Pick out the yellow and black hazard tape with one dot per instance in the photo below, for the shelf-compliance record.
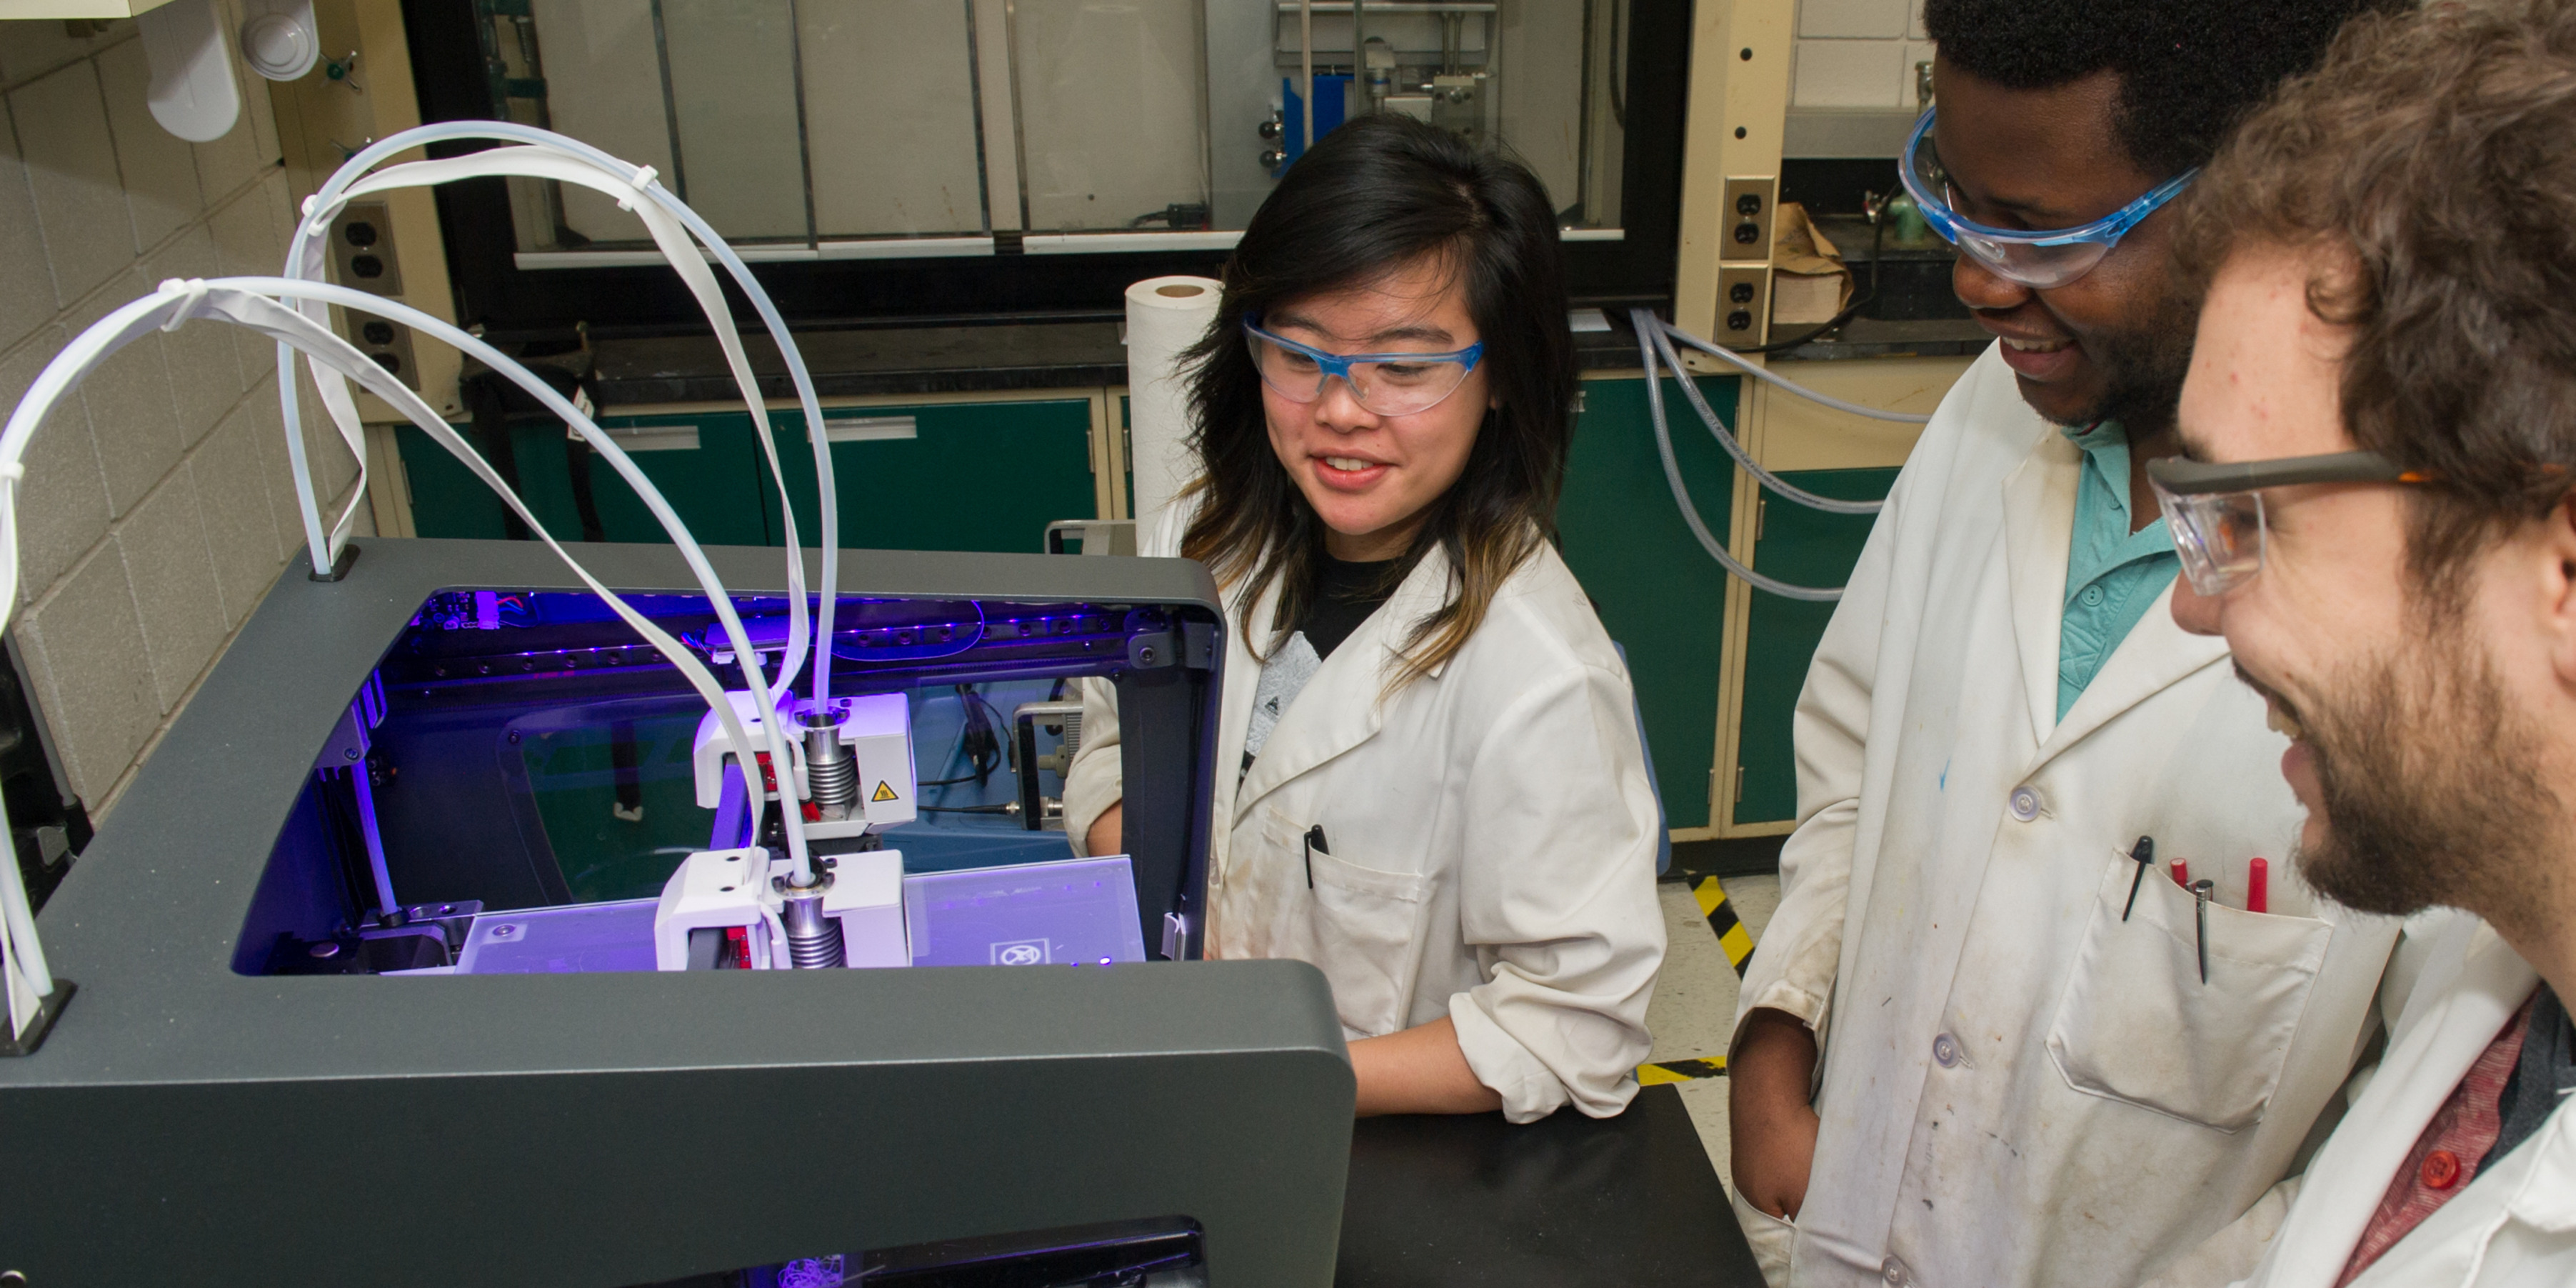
(1731, 934)
(1663, 1071)
(1738, 943)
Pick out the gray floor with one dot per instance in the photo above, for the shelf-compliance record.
(1694, 1007)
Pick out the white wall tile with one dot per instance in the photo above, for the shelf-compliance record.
(133, 415)
(26, 285)
(71, 168)
(268, 431)
(1847, 73)
(1851, 19)
(30, 48)
(241, 531)
(62, 503)
(83, 643)
(205, 368)
(246, 244)
(1914, 25)
(160, 177)
(164, 543)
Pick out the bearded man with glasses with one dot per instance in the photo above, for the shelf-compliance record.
(1997, 1033)
(2378, 514)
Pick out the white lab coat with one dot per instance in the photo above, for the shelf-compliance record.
(1491, 827)
(2514, 1224)
(2018, 1086)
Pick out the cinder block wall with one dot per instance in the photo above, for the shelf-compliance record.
(156, 508)
(1859, 53)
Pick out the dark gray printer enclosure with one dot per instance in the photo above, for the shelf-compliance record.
(185, 1122)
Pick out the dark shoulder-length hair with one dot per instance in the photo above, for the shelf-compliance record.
(1372, 197)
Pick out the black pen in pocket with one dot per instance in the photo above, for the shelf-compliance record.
(1315, 842)
(2200, 892)
(2144, 855)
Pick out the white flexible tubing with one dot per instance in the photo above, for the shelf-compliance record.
(1690, 512)
(553, 156)
(535, 162)
(1764, 374)
(22, 954)
(245, 300)
(165, 310)
(666, 233)
(827, 492)
(1727, 440)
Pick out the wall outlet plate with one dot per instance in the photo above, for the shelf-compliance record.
(1743, 305)
(362, 248)
(1747, 214)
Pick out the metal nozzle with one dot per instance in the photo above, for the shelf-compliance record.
(813, 939)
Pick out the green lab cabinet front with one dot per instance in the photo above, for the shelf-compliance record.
(1807, 548)
(962, 476)
(1659, 594)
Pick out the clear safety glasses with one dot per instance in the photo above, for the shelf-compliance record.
(2215, 511)
(1389, 384)
(2039, 259)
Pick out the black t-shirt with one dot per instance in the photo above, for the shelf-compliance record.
(1345, 595)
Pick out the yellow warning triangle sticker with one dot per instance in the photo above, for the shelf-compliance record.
(885, 792)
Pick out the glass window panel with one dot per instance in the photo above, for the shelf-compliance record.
(890, 115)
(1111, 111)
(733, 84)
(603, 80)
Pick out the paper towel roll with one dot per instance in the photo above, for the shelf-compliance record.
(1165, 315)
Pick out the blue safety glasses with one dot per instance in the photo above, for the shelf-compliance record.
(2036, 259)
(1389, 384)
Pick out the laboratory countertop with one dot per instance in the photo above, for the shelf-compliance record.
(883, 361)
(1566, 1202)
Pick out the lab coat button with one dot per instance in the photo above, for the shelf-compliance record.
(2025, 804)
(1945, 1051)
(1895, 1274)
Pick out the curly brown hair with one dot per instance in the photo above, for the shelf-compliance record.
(2429, 167)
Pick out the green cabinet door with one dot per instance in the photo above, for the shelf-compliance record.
(1808, 548)
(707, 466)
(986, 476)
(961, 476)
(1659, 594)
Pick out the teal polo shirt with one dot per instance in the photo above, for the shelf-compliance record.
(2113, 575)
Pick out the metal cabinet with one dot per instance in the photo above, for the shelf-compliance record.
(938, 475)
(1658, 593)
(1804, 547)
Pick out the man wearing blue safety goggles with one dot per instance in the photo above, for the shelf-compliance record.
(1992, 1037)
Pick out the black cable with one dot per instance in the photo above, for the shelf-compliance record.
(967, 809)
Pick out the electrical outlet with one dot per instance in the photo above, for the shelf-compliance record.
(362, 249)
(1743, 305)
(1747, 212)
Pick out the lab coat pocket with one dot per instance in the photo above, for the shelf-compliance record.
(1367, 928)
(2136, 1023)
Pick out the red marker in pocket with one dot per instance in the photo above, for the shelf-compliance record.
(2182, 873)
(2258, 886)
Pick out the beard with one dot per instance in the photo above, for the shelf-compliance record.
(2431, 786)
(2143, 369)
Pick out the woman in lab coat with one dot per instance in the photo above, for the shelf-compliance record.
(1432, 786)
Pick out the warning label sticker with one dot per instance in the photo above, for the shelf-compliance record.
(885, 792)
